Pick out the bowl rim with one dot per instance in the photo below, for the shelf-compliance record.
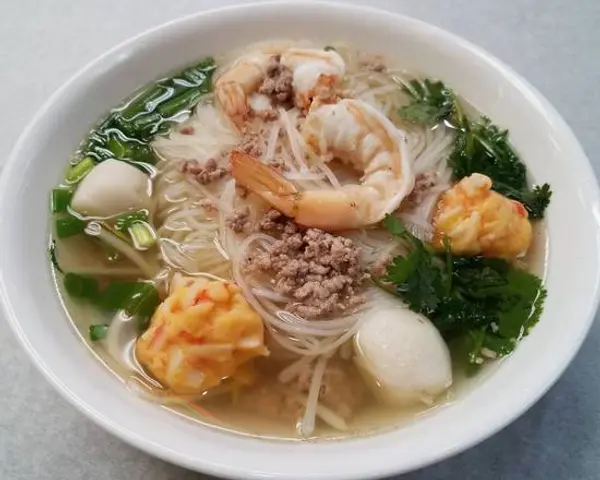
(205, 465)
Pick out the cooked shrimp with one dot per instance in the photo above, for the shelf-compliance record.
(315, 73)
(479, 221)
(239, 81)
(362, 137)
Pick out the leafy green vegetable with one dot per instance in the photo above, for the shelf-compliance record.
(486, 301)
(61, 197)
(125, 134)
(484, 148)
(98, 332)
(147, 99)
(80, 169)
(142, 305)
(79, 286)
(178, 103)
(138, 227)
(431, 102)
(480, 147)
(69, 226)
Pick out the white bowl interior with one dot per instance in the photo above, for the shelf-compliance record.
(545, 142)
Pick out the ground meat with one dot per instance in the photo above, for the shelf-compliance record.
(241, 192)
(204, 173)
(373, 63)
(278, 84)
(238, 220)
(187, 130)
(423, 182)
(379, 266)
(250, 145)
(320, 272)
(278, 164)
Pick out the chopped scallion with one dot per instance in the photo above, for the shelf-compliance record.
(80, 170)
(143, 235)
(98, 332)
(117, 147)
(79, 286)
(61, 197)
(69, 226)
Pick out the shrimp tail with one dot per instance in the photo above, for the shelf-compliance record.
(264, 181)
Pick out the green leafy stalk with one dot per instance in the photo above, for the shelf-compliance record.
(60, 199)
(79, 170)
(140, 231)
(127, 131)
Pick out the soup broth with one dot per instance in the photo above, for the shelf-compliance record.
(298, 241)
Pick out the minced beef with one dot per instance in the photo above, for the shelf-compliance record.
(423, 182)
(206, 172)
(320, 272)
(278, 85)
(238, 220)
(250, 145)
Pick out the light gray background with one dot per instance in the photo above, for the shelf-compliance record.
(554, 44)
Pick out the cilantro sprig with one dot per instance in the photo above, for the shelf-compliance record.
(480, 147)
(485, 302)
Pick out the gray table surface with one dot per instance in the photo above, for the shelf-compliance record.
(553, 43)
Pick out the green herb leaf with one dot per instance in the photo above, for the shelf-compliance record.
(480, 147)
(486, 301)
(432, 102)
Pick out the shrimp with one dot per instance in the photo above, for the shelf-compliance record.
(314, 73)
(359, 135)
(238, 82)
(479, 221)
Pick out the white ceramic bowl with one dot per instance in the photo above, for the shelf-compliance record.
(540, 135)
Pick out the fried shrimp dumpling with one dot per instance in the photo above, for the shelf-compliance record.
(205, 331)
(479, 221)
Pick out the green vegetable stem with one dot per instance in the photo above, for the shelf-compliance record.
(140, 231)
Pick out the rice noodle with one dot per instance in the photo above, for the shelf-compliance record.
(307, 424)
(293, 370)
(272, 143)
(331, 418)
(292, 134)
